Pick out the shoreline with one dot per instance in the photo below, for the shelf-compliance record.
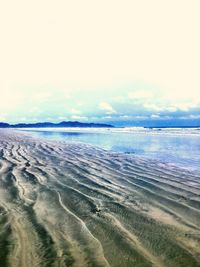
(67, 204)
(132, 130)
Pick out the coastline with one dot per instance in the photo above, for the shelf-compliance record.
(133, 130)
(71, 204)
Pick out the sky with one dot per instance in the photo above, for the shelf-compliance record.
(116, 61)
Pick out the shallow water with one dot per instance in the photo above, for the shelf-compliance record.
(181, 150)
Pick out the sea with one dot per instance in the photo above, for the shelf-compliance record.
(175, 146)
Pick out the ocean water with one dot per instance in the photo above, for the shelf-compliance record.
(179, 149)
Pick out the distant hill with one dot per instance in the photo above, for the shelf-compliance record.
(4, 125)
(54, 125)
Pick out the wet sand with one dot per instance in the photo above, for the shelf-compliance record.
(69, 204)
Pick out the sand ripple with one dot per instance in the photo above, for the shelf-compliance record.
(66, 204)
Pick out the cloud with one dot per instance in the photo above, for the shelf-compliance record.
(186, 106)
(170, 107)
(152, 106)
(35, 110)
(93, 65)
(64, 93)
(132, 117)
(107, 117)
(42, 96)
(191, 116)
(126, 117)
(76, 117)
(2, 119)
(62, 118)
(119, 99)
(23, 119)
(155, 116)
(107, 107)
(140, 95)
(75, 111)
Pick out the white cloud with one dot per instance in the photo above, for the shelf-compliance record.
(125, 117)
(186, 106)
(106, 107)
(173, 107)
(35, 110)
(107, 117)
(140, 117)
(80, 103)
(194, 116)
(34, 119)
(140, 95)
(135, 117)
(62, 118)
(191, 116)
(75, 111)
(42, 96)
(170, 108)
(63, 52)
(23, 119)
(2, 119)
(119, 99)
(64, 93)
(155, 116)
(76, 117)
(152, 106)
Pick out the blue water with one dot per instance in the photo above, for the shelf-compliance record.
(181, 150)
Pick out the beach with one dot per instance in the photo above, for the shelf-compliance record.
(72, 204)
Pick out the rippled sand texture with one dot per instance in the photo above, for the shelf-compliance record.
(74, 205)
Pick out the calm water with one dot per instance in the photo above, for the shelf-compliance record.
(182, 150)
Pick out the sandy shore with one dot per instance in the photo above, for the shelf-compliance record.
(65, 204)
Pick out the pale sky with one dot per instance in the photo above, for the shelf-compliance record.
(105, 60)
